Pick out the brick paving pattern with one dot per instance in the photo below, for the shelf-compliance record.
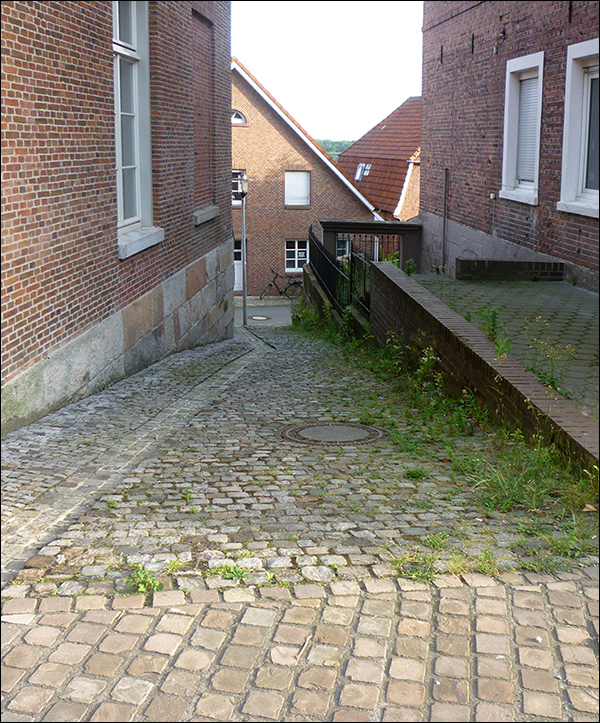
(280, 601)
(541, 319)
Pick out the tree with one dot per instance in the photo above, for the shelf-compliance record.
(334, 148)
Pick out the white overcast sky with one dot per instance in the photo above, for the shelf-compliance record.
(338, 68)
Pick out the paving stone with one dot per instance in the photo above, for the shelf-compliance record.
(180, 683)
(359, 696)
(22, 656)
(584, 700)
(495, 691)
(176, 624)
(229, 680)
(83, 689)
(11, 676)
(263, 704)
(493, 667)
(275, 677)
(165, 708)
(65, 711)
(410, 695)
(365, 671)
(493, 713)
(408, 669)
(449, 712)
(19, 606)
(163, 643)
(536, 658)
(240, 656)
(449, 690)
(578, 655)
(43, 636)
(144, 664)
(581, 676)
(103, 664)
(542, 704)
(108, 712)
(115, 643)
(208, 638)
(259, 616)
(310, 703)
(31, 700)
(132, 690)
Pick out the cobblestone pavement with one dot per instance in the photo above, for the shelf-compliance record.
(280, 600)
(552, 326)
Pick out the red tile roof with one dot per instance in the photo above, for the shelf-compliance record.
(387, 147)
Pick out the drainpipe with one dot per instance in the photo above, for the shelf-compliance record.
(444, 217)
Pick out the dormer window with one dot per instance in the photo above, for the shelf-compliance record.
(362, 171)
(237, 118)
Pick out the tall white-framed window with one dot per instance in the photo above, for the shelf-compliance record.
(522, 127)
(580, 153)
(297, 188)
(296, 254)
(133, 162)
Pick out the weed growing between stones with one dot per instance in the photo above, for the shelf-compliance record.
(143, 581)
(416, 473)
(549, 362)
(231, 572)
(417, 565)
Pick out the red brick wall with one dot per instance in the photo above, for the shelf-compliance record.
(60, 270)
(463, 107)
(266, 147)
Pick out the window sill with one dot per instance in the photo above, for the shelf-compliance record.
(296, 208)
(581, 208)
(205, 214)
(132, 242)
(528, 197)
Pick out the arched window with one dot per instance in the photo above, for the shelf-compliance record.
(237, 118)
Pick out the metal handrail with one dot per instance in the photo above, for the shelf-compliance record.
(346, 281)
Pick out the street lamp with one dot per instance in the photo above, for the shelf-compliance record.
(243, 192)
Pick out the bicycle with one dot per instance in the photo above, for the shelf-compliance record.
(292, 288)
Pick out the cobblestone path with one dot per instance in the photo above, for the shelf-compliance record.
(281, 599)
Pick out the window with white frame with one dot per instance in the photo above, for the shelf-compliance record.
(132, 128)
(522, 126)
(297, 188)
(579, 173)
(296, 254)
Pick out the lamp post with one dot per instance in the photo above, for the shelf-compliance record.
(243, 193)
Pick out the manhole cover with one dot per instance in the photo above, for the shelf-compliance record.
(260, 318)
(331, 433)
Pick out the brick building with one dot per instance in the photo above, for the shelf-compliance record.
(292, 184)
(509, 162)
(385, 162)
(109, 266)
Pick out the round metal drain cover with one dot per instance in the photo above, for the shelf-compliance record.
(260, 318)
(331, 433)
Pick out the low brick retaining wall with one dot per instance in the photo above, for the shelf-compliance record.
(402, 306)
(503, 270)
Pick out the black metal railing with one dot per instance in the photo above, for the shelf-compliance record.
(347, 279)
